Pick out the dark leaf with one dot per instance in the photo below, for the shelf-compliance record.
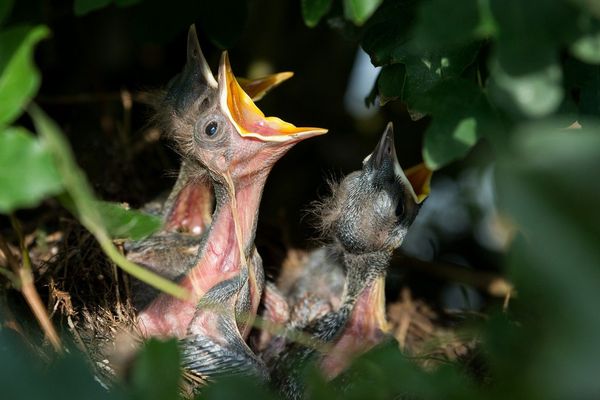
(156, 373)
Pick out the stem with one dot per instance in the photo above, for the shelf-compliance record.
(28, 290)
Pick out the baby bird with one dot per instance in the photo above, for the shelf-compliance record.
(187, 211)
(229, 145)
(367, 218)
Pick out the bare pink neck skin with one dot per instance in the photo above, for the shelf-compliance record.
(365, 329)
(219, 260)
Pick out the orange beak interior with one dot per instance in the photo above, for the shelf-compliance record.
(419, 177)
(247, 117)
(257, 88)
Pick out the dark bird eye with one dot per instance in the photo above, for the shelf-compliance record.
(399, 209)
(211, 128)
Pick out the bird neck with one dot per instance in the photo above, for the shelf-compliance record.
(361, 271)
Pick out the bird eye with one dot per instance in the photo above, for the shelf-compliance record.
(399, 209)
(211, 129)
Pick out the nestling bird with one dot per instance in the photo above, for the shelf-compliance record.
(227, 143)
(367, 218)
(187, 211)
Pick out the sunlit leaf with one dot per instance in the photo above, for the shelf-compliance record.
(19, 78)
(27, 171)
(359, 11)
(314, 10)
(156, 373)
(130, 224)
(82, 202)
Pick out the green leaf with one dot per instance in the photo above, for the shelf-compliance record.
(237, 387)
(358, 11)
(417, 74)
(156, 373)
(546, 187)
(587, 46)
(124, 223)
(5, 9)
(24, 376)
(83, 203)
(534, 94)
(314, 10)
(460, 115)
(126, 3)
(82, 7)
(446, 141)
(386, 34)
(443, 23)
(19, 79)
(27, 172)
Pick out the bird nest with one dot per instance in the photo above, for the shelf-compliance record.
(88, 300)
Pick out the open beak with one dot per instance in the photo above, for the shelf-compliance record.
(415, 179)
(257, 88)
(419, 177)
(247, 117)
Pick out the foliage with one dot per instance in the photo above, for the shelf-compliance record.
(511, 72)
(35, 168)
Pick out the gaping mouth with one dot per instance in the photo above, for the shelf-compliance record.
(249, 120)
(419, 178)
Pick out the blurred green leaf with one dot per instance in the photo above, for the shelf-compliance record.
(157, 373)
(545, 187)
(82, 203)
(584, 79)
(535, 94)
(443, 23)
(236, 387)
(223, 21)
(23, 376)
(314, 10)
(358, 11)
(82, 7)
(587, 46)
(19, 78)
(27, 172)
(386, 373)
(127, 224)
(5, 9)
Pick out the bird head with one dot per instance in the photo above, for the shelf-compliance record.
(371, 209)
(216, 123)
